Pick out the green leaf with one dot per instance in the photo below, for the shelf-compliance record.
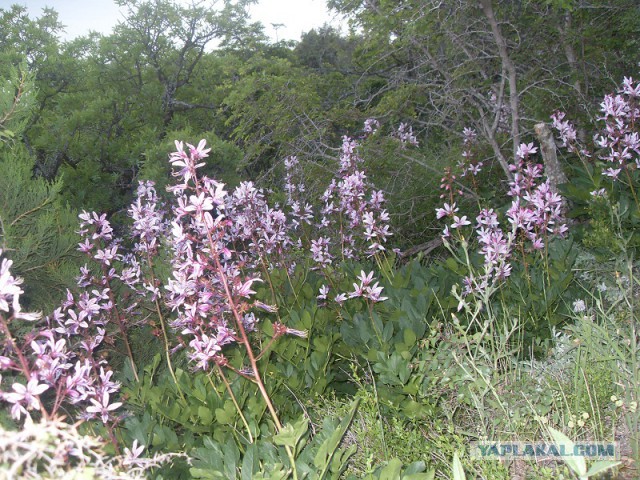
(231, 458)
(223, 416)
(458, 471)
(415, 471)
(601, 466)
(291, 433)
(7, 133)
(205, 415)
(430, 475)
(307, 322)
(392, 470)
(206, 474)
(387, 332)
(277, 472)
(577, 464)
(249, 463)
(328, 448)
(409, 337)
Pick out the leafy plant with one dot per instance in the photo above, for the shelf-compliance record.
(578, 464)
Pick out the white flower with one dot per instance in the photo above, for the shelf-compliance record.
(131, 456)
(579, 306)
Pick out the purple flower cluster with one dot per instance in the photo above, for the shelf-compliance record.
(619, 142)
(352, 208)
(469, 163)
(224, 243)
(366, 290)
(535, 215)
(59, 357)
(219, 241)
(149, 223)
(295, 188)
(404, 133)
(566, 130)
(495, 246)
(203, 273)
(260, 233)
(210, 290)
(536, 211)
(371, 126)
(352, 222)
(267, 236)
(63, 355)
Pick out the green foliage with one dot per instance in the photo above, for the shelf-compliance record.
(25, 38)
(394, 470)
(318, 457)
(36, 230)
(136, 86)
(325, 50)
(17, 100)
(384, 443)
(265, 105)
(578, 464)
(196, 415)
(106, 101)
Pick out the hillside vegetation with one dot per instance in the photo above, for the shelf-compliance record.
(364, 255)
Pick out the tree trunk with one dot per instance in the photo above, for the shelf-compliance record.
(548, 149)
(572, 60)
(509, 67)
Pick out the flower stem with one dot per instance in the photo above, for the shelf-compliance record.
(233, 399)
(164, 331)
(24, 365)
(121, 326)
(249, 349)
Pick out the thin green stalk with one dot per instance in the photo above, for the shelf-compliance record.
(380, 419)
(373, 324)
(383, 266)
(595, 411)
(633, 347)
(633, 190)
(164, 332)
(265, 269)
(121, 326)
(295, 294)
(233, 399)
(486, 381)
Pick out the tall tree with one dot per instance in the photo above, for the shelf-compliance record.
(491, 65)
(172, 39)
(117, 96)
